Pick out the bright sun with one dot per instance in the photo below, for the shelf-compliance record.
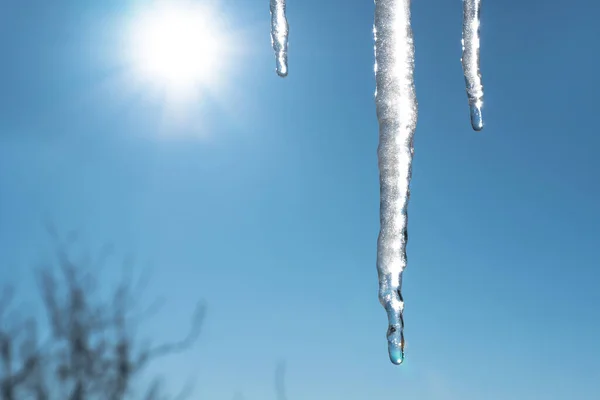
(178, 45)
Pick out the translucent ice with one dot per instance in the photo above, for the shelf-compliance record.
(396, 106)
(279, 36)
(470, 60)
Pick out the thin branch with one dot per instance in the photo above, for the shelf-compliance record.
(280, 381)
(176, 347)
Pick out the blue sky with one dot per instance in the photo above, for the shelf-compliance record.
(264, 201)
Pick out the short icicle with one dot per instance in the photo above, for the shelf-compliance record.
(470, 61)
(279, 36)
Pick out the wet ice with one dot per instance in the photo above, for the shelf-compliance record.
(396, 106)
(279, 36)
(470, 61)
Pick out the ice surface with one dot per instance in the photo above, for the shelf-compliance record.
(396, 106)
(279, 36)
(470, 61)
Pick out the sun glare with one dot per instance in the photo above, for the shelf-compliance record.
(178, 45)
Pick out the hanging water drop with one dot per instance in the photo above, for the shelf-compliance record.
(470, 60)
(279, 36)
(397, 110)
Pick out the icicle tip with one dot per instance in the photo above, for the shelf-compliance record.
(396, 354)
(476, 117)
(282, 71)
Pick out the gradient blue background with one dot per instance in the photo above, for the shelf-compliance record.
(271, 214)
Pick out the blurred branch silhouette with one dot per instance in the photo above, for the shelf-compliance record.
(280, 381)
(90, 351)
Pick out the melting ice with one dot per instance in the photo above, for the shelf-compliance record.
(396, 105)
(470, 61)
(397, 111)
(279, 36)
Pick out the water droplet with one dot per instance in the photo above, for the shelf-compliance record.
(396, 354)
(476, 117)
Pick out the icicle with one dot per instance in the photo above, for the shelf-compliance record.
(279, 35)
(470, 61)
(396, 105)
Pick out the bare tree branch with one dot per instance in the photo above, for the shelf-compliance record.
(91, 353)
(280, 381)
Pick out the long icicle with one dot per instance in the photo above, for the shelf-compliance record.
(397, 111)
(279, 36)
(470, 60)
